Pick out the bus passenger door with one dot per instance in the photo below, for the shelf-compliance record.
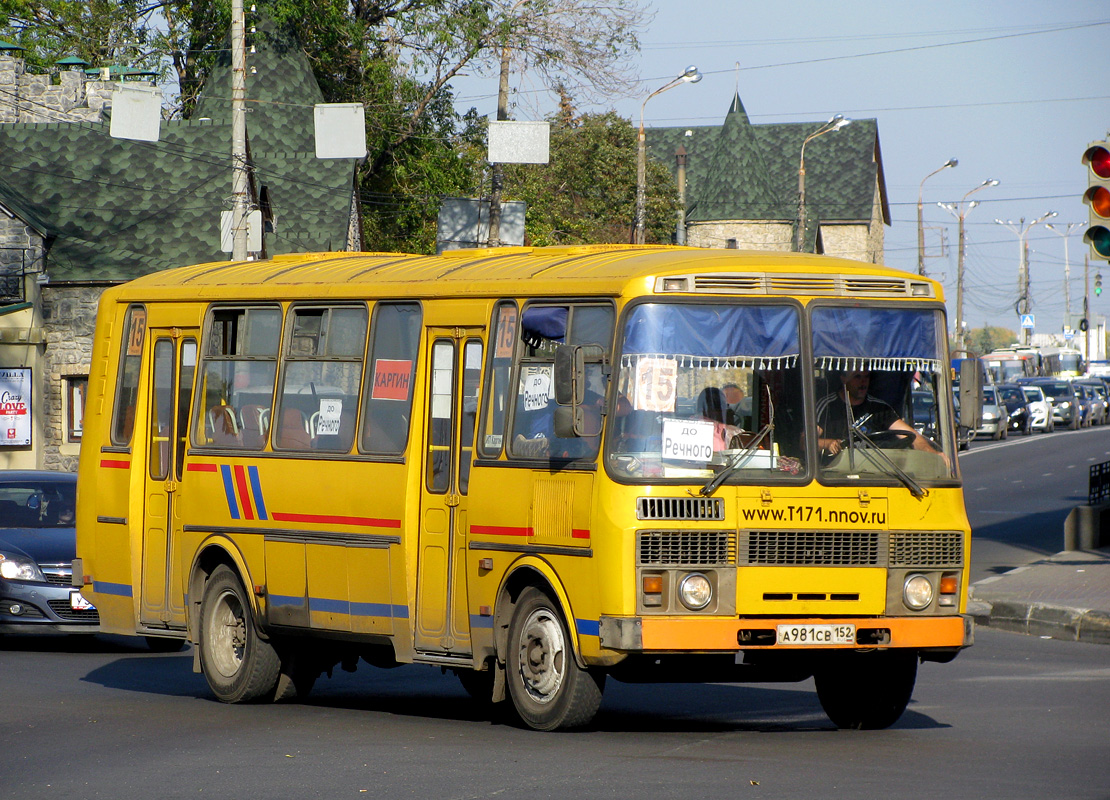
(454, 363)
(173, 364)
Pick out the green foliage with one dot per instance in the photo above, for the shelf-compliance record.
(588, 191)
(989, 338)
(398, 57)
(101, 32)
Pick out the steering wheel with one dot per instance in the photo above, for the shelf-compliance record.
(894, 438)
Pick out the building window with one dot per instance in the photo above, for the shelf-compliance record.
(76, 388)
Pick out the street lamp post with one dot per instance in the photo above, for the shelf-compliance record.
(959, 210)
(1021, 228)
(834, 124)
(921, 216)
(1070, 228)
(690, 75)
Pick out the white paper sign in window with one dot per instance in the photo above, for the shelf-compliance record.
(535, 386)
(656, 384)
(328, 422)
(687, 440)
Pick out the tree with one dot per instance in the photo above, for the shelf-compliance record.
(989, 338)
(588, 191)
(101, 32)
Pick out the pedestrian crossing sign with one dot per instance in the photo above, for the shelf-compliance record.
(1027, 321)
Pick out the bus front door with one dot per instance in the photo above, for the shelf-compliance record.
(173, 364)
(454, 364)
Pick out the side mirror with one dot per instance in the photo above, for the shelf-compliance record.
(971, 395)
(570, 375)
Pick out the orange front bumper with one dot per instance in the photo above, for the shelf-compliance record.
(690, 634)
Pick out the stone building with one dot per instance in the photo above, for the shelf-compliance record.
(741, 185)
(81, 211)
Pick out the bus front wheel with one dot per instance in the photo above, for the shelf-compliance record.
(866, 691)
(548, 688)
(237, 663)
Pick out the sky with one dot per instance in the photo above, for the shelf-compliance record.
(1015, 91)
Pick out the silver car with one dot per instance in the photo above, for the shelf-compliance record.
(996, 419)
(1039, 409)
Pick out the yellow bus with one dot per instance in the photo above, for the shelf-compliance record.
(535, 467)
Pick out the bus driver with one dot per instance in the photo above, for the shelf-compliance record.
(852, 405)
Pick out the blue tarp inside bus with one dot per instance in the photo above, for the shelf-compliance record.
(716, 332)
(875, 338)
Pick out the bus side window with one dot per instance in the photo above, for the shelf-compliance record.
(237, 374)
(127, 382)
(387, 393)
(323, 370)
(495, 414)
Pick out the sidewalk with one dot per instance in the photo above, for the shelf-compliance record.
(1065, 596)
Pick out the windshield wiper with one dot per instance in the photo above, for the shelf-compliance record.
(871, 450)
(738, 460)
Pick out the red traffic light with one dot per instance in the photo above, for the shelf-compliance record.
(1097, 198)
(1097, 158)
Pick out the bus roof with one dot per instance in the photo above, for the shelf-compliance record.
(610, 270)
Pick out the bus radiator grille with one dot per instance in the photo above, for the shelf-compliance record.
(812, 548)
(687, 548)
(932, 549)
(676, 508)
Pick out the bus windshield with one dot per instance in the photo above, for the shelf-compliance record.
(703, 387)
(871, 365)
(709, 389)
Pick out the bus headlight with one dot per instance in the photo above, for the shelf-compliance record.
(695, 591)
(917, 592)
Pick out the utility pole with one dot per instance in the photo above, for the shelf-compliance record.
(1086, 314)
(240, 185)
(498, 170)
(680, 229)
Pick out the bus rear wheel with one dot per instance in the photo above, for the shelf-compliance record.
(866, 691)
(548, 688)
(238, 664)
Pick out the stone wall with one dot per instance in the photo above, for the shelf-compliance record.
(20, 253)
(69, 316)
(748, 235)
(28, 97)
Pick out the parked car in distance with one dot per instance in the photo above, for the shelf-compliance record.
(925, 414)
(1067, 409)
(1011, 395)
(1040, 410)
(996, 419)
(38, 543)
(1097, 398)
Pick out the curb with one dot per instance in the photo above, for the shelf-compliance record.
(1043, 619)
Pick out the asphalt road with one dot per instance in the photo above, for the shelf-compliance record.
(1019, 491)
(1014, 717)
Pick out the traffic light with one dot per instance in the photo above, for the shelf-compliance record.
(1097, 198)
(1098, 284)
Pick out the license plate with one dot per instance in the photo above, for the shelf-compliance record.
(816, 634)
(78, 603)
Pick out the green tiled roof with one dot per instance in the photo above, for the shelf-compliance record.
(115, 209)
(743, 171)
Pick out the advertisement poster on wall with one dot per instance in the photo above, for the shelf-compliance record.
(15, 406)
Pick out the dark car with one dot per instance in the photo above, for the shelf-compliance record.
(37, 545)
(1021, 420)
(1067, 406)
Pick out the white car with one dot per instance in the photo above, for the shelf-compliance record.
(1039, 408)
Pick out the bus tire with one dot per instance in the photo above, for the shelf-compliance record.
(548, 688)
(866, 691)
(238, 664)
